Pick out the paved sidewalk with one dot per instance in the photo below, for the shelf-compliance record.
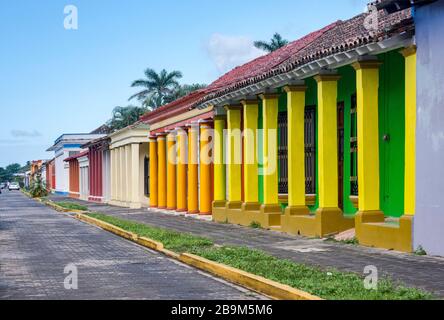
(36, 243)
(418, 271)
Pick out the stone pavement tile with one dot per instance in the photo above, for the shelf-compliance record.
(37, 243)
(419, 271)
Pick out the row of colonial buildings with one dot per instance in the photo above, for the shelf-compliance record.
(340, 129)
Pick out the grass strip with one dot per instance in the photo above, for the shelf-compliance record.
(71, 206)
(174, 241)
(325, 283)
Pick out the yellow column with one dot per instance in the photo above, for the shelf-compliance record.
(153, 172)
(219, 162)
(234, 156)
(270, 167)
(251, 190)
(328, 140)
(367, 82)
(161, 156)
(205, 190)
(171, 171)
(410, 130)
(193, 165)
(296, 149)
(181, 170)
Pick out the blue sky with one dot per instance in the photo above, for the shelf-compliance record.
(55, 81)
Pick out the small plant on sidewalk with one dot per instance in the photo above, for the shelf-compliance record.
(38, 188)
(420, 251)
(255, 225)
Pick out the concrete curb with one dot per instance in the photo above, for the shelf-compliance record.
(259, 284)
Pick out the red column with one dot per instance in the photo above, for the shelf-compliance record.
(100, 168)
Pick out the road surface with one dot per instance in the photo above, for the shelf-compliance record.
(38, 245)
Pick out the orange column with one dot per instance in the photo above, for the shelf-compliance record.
(193, 165)
(181, 170)
(171, 171)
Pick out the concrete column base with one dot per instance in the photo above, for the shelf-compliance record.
(326, 221)
(135, 205)
(268, 216)
(297, 211)
(219, 211)
(373, 231)
(234, 211)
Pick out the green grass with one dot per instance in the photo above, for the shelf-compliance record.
(174, 241)
(71, 206)
(327, 284)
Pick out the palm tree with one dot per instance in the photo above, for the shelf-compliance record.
(184, 90)
(125, 116)
(156, 87)
(276, 42)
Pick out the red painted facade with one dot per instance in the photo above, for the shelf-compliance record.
(96, 166)
(74, 174)
(95, 173)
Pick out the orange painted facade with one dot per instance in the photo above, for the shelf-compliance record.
(50, 175)
(74, 174)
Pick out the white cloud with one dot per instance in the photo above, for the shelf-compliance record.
(25, 133)
(228, 52)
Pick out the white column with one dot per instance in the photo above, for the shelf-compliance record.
(135, 177)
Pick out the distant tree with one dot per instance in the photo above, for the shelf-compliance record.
(276, 42)
(156, 86)
(184, 90)
(26, 167)
(2, 175)
(7, 174)
(125, 116)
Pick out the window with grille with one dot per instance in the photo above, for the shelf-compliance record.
(310, 150)
(146, 175)
(283, 152)
(353, 148)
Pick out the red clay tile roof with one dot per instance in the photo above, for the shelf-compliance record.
(338, 37)
(269, 61)
(250, 69)
(176, 107)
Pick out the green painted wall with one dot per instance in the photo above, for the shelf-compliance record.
(346, 89)
(391, 122)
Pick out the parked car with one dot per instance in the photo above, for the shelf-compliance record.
(14, 186)
(2, 185)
